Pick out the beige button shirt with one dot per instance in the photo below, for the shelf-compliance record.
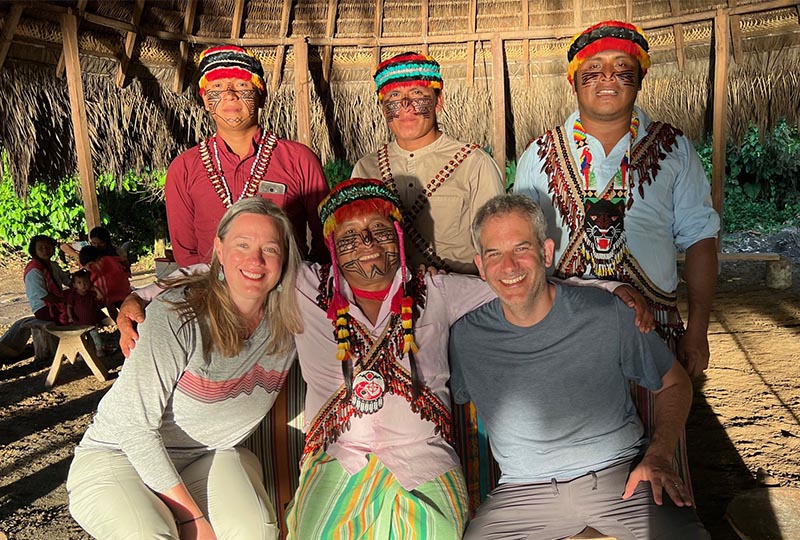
(445, 222)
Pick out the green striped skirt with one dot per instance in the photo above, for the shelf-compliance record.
(372, 505)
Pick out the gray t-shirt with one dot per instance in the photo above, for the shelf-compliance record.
(170, 406)
(555, 397)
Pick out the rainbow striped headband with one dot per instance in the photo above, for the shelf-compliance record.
(608, 36)
(230, 61)
(407, 69)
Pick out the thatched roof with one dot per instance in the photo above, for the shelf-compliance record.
(138, 121)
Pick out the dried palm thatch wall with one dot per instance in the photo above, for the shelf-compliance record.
(144, 123)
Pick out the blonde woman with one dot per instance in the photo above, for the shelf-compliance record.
(161, 459)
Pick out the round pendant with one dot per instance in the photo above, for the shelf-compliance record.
(368, 388)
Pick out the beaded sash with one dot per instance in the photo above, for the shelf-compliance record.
(410, 215)
(569, 195)
(257, 172)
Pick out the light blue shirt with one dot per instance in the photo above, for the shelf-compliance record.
(674, 214)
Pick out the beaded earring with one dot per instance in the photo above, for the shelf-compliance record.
(221, 274)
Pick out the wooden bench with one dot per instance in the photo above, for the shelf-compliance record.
(779, 267)
(74, 341)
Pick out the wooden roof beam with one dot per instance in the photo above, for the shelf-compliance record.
(302, 92)
(60, 65)
(629, 11)
(677, 31)
(188, 25)
(130, 44)
(236, 22)
(83, 149)
(499, 104)
(532, 33)
(736, 34)
(9, 29)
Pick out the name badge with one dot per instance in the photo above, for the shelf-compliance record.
(271, 188)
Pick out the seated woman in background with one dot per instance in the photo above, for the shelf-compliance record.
(100, 238)
(161, 458)
(44, 281)
(108, 277)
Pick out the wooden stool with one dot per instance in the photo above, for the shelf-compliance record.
(72, 341)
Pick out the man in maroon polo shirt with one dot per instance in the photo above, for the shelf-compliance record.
(241, 159)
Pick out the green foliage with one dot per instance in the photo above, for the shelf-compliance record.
(336, 171)
(762, 178)
(511, 175)
(131, 207)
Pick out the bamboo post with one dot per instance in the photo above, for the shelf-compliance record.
(628, 10)
(719, 133)
(188, 24)
(9, 28)
(60, 65)
(83, 149)
(499, 104)
(302, 91)
(277, 68)
(130, 44)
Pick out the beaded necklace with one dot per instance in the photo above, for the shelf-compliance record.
(257, 170)
(582, 144)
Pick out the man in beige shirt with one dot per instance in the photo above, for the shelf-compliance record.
(441, 181)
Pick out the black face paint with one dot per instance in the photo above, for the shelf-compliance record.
(248, 97)
(627, 77)
(422, 106)
(374, 269)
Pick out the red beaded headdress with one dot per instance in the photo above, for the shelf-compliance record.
(608, 36)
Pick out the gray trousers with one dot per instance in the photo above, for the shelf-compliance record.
(556, 510)
(109, 500)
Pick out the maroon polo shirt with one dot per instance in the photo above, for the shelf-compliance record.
(194, 209)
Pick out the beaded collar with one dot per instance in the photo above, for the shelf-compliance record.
(257, 170)
(582, 144)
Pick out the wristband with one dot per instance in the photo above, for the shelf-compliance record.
(182, 523)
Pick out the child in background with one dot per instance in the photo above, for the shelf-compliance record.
(83, 305)
(44, 281)
(83, 300)
(108, 277)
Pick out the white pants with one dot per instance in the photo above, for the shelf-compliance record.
(109, 500)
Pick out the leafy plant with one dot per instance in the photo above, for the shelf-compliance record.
(336, 171)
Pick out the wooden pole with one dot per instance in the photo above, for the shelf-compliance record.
(677, 31)
(60, 65)
(424, 13)
(9, 28)
(526, 43)
(130, 44)
(302, 91)
(236, 22)
(83, 149)
(719, 133)
(377, 30)
(472, 20)
(327, 50)
(188, 24)
(499, 104)
(277, 68)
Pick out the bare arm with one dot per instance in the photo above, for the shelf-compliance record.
(672, 403)
(700, 274)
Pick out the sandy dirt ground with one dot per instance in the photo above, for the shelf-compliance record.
(745, 417)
